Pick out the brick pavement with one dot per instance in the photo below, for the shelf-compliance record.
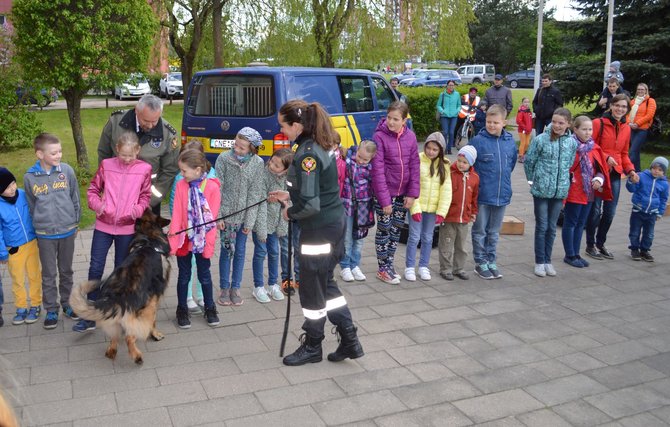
(588, 347)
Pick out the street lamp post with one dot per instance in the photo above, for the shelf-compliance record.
(538, 48)
(610, 32)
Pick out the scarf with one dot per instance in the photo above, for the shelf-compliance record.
(198, 212)
(633, 111)
(585, 165)
(12, 200)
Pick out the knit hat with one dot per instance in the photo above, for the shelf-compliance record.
(7, 178)
(437, 137)
(661, 162)
(616, 65)
(470, 154)
(251, 135)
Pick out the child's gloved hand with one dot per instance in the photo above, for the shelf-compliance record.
(13, 250)
(416, 217)
(439, 219)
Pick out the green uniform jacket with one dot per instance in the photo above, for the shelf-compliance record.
(160, 148)
(547, 164)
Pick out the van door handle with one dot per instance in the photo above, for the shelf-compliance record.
(373, 118)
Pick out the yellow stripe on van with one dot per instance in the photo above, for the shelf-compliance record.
(354, 129)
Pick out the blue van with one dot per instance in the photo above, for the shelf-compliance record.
(222, 101)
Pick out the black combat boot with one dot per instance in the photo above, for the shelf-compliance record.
(308, 352)
(349, 346)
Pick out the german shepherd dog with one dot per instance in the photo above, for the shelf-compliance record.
(129, 297)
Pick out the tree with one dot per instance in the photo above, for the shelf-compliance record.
(217, 34)
(75, 45)
(330, 17)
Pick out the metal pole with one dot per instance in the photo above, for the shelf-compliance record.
(610, 32)
(538, 48)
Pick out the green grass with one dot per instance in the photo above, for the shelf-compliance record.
(57, 123)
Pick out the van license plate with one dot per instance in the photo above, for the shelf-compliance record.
(221, 143)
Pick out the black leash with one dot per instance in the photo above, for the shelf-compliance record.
(289, 289)
(221, 218)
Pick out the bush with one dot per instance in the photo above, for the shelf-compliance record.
(423, 104)
(154, 82)
(18, 124)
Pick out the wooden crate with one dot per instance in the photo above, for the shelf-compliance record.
(512, 225)
(667, 211)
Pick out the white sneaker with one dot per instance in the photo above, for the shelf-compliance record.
(539, 270)
(424, 273)
(261, 295)
(550, 270)
(346, 275)
(192, 306)
(276, 293)
(358, 274)
(410, 276)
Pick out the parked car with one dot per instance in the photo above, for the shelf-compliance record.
(435, 78)
(523, 78)
(477, 73)
(409, 74)
(420, 74)
(170, 85)
(30, 95)
(134, 87)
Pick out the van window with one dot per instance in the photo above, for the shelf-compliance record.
(461, 71)
(383, 92)
(310, 88)
(478, 69)
(356, 94)
(232, 95)
(490, 69)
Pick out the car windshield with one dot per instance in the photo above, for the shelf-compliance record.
(136, 79)
(421, 74)
(174, 77)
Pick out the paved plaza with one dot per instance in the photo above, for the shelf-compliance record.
(588, 347)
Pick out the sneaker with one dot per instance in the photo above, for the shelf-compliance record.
(605, 252)
(493, 268)
(551, 271)
(261, 295)
(424, 273)
(224, 298)
(593, 252)
(201, 304)
(68, 312)
(394, 273)
(286, 287)
(276, 293)
(346, 275)
(192, 306)
(584, 262)
(358, 274)
(386, 277)
(20, 317)
(482, 271)
(183, 318)
(645, 255)
(410, 275)
(573, 261)
(33, 314)
(539, 270)
(635, 254)
(462, 275)
(235, 296)
(447, 276)
(51, 320)
(84, 325)
(211, 317)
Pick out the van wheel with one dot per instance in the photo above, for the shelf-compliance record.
(476, 81)
(514, 84)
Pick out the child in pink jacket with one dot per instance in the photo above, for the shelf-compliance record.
(196, 205)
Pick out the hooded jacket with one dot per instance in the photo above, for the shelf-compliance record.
(16, 227)
(614, 138)
(395, 167)
(650, 195)
(434, 197)
(496, 159)
(547, 164)
(464, 192)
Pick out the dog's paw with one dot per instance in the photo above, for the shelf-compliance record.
(111, 353)
(157, 335)
(139, 360)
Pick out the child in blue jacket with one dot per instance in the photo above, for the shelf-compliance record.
(496, 158)
(650, 196)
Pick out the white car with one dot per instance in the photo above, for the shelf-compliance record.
(134, 87)
(171, 85)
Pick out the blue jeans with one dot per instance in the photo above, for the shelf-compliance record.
(269, 248)
(352, 247)
(603, 222)
(420, 231)
(237, 261)
(641, 232)
(546, 216)
(637, 139)
(184, 277)
(100, 245)
(485, 233)
(448, 125)
(574, 221)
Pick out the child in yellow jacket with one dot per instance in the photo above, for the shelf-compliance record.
(431, 207)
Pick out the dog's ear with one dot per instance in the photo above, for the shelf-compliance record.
(147, 217)
(162, 222)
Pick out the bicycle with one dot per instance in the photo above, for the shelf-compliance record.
(466, 131)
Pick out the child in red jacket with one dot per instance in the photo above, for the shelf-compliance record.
(463, 210)
(524, 121)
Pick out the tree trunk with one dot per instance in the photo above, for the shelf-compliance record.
(328, 27)
(216, 24)
(73, 99)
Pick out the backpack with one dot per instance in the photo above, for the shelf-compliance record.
(656, 127)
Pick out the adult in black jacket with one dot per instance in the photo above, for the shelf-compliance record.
(547, 99)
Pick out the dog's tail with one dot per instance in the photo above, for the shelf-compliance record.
(80, 303)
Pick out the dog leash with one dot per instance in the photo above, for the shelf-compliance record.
(220, 218)
(288, 290)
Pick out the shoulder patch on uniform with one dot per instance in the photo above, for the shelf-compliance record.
(308, 164)
(170, 127)
(175, 142)
(118, 112)
(294, 148)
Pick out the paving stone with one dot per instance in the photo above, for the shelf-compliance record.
(257, 362)
(215, 411)
(660, 362)
(553, 348)
(174, 394)
(15, 345)
(497, 405)
(377, 360)
(580, 342)
(425, 352)
(48, 392)
(155, 359)
(394, 323)
(621, 352)
(438, 415)
(430, 371)
(300, 416)
(605, 336)
(543, 417)
(412, 292)
(464, 365)
(298, 395)
(499, 307)
(642, 420)
(119, 382)
(400, 308)
(636, 313)
(561, 390)
(425, 334)
(455, 300)
(357, 408)
(580, 361)
(544, 331)
(482, 326)
(501, 339)
(70, 371)
(472, 344)
(506, 378)
(319, 371)
(68, 410)
(155, 416)
(580, 413)
(509, 356)
(66, 339)
(662, 386)
(628, 401)
(384, 341)
(659, 342)
(624, 375)
(196, 371)
(29, 359)
(88, 351)
(435, 392)
(503, 422)
(228, 349)
(552, 368)
(447, 315)
(375, 380)
(228, 385)
(662, 413)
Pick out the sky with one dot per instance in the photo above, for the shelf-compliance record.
(564, 11)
